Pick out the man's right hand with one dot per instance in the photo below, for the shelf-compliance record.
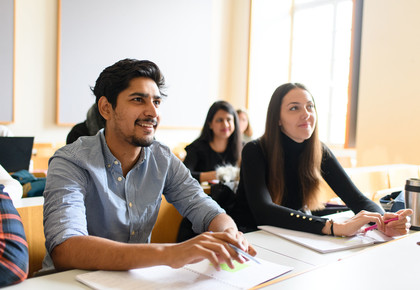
(211, 246)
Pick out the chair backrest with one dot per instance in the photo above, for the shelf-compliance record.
(179, 150)
(167, 224)
(399, 173)
(369, 179)
(42, 153)
(32, 219)
(326, 193)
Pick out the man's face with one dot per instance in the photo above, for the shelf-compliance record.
(136, 115)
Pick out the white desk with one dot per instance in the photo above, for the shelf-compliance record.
(393, 265)
(60, 281)
(373, 267)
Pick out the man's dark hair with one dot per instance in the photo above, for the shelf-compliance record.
(116, 78)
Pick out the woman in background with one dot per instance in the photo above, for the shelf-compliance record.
(218, 144)
(244, 125)
(281, 173)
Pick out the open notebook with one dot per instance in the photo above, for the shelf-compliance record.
(327, 244)
(201, 275)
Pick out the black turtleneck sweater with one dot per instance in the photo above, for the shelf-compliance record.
(255, 207)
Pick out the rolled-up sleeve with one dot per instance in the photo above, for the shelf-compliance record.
(64, 208)
(188, 197)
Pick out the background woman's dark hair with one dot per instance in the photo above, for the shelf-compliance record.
(116, 78)
(235, 140)
(309, 168)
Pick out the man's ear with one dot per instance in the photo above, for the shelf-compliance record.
(104, 108)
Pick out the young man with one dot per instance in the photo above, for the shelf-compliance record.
(14, 259)
(103, 192)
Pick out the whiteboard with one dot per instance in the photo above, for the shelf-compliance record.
(175, 34)
(6, 60)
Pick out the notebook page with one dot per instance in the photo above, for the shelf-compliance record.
(158, 277)
(321, 243)
(195, 276)
(245, 275)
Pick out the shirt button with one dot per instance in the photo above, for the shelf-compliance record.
(130, 204)
(115, 162)
(109, 165)
(304, 217)
(119, 178)
(310, 219)
(297, 216)
(291, 214)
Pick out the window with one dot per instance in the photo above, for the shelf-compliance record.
(317, 46)
(320, 59)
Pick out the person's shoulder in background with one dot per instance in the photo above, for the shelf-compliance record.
(11, 185)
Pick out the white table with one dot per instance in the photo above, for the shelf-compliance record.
(362, 268)
(392, 265)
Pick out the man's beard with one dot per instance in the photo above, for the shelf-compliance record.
(145, 141)
(142, 142)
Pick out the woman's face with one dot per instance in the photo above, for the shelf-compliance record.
(223, 124)
(243, 121)
(297, 115)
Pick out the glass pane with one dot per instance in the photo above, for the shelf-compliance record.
(321, 60)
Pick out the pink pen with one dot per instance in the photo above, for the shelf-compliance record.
(375, 225)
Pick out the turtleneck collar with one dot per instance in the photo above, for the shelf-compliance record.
(290, 146)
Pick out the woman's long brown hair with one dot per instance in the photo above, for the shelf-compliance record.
(309, 168)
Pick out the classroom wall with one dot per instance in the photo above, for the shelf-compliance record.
(388, 111)
(36, 62)
(389, 100)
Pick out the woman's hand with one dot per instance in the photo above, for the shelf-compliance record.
(351, 226)
(208, 176)
(400, 226)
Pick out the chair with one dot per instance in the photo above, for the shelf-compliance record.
(31, 214)
(167, 224)
(399, 173)
(369, 179)
(326, 193)
(179, 150)
(41, 154)
(397, 176)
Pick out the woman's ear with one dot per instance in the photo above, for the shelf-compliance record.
(279, 123)
(104, 108)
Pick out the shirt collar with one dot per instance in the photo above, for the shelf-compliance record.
(110, 159)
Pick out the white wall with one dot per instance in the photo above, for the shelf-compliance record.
(388, 128)
(389, 102)
(35, 71)
(36, 66)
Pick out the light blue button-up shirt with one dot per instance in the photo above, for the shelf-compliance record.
(87, 194)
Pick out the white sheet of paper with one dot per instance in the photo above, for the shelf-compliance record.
(201, 275)
(327, 244)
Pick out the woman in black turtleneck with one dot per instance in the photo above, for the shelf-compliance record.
(281, 173)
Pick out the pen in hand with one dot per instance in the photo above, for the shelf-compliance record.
(375, 225)
(243, 253)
